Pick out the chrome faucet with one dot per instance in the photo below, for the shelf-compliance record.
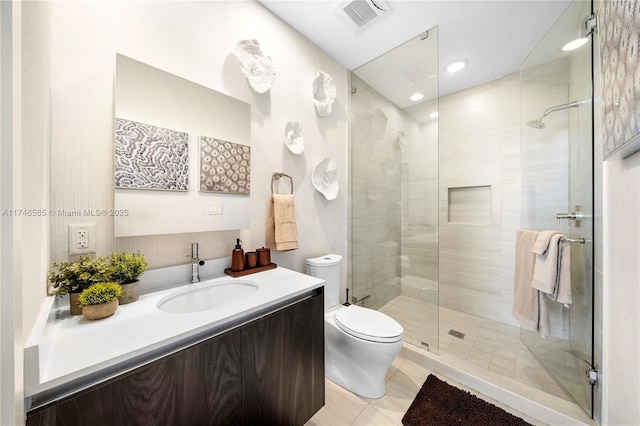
(195, 263)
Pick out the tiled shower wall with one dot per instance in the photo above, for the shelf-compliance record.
(480, 147)
(545, 157)
(478, 197)
(480, 176)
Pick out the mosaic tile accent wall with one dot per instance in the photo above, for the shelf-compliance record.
(620, 60)
(150, 157)
(224, 166)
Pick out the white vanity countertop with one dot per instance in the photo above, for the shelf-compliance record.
(81, 347)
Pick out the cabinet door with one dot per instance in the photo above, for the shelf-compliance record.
(45, 416)
(283, 365)
(197, 386)
(212, 381)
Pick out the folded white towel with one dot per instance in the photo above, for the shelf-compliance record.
(563, 293)
(542, 242)
(552, 272)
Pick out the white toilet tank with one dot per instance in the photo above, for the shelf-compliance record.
(327, 268)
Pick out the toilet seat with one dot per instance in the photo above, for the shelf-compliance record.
(368, 324)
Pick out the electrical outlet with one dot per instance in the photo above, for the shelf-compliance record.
(82, 238)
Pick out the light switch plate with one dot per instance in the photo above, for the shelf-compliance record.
(214, 209)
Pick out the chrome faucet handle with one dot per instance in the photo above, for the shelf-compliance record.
(195, 263)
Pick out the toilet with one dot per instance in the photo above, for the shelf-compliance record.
(359, 343)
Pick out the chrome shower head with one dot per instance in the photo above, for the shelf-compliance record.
(536, 124)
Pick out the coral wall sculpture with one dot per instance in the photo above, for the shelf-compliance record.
(255, 65)
(224, 166)
(150, 157)
(324, 93)
(324, 178)
(293, 137)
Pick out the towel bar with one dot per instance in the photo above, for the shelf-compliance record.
(276, 176)
(574, 240)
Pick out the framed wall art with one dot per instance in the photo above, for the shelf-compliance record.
(150, 157)
(224, 166)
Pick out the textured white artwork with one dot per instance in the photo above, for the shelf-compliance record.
(224, 166)
(255, 65)
(324, 178)
(150, 157)
(293, 137)
(324, 93)
(619, 32)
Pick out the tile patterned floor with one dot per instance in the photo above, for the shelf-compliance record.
(487, 344)
(404, 380)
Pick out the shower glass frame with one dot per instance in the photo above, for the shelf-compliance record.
(562, 181)
(394, 188)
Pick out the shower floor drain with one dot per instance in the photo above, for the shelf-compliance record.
(457, 334)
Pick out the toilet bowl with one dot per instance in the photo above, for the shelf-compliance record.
(360, 343)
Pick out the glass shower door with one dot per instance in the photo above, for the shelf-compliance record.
(557, 114)
(394, 187)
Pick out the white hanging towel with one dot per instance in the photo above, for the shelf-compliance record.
(525, 298)
(552, 272)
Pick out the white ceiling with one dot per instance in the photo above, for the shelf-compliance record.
(493, 36)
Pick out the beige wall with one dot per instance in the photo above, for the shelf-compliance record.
(621, 365)
(193, 40)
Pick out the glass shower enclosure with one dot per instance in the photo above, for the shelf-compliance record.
(557, 188)
(394, 186)
(436, 203)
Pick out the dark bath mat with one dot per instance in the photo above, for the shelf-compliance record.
(440, 404)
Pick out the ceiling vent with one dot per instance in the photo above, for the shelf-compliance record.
(359, 14)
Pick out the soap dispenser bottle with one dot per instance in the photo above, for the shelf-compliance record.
(237, 257)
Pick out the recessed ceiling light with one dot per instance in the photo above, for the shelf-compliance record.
(575, 44)
(433, 115)
(416, 96)
(456, 66)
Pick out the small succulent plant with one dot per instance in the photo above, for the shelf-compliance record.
(126, 267)
(100, 293)
(76, 276)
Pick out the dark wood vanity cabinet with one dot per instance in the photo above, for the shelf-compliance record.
(283, 365)
(269, 371)
(200, 385)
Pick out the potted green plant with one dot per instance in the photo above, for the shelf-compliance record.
(125, 270)
(74, 277)
(100, 300)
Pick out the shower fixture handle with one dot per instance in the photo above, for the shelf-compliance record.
(577, 217)
(569, 216)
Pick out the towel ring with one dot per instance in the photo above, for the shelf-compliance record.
(277, 176)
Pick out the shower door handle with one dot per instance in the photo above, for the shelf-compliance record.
(576, 216)
(569, 216)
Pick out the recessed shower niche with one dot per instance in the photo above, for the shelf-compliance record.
(155, 99)
(470, 205)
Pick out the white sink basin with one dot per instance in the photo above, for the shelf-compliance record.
(205, 296)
